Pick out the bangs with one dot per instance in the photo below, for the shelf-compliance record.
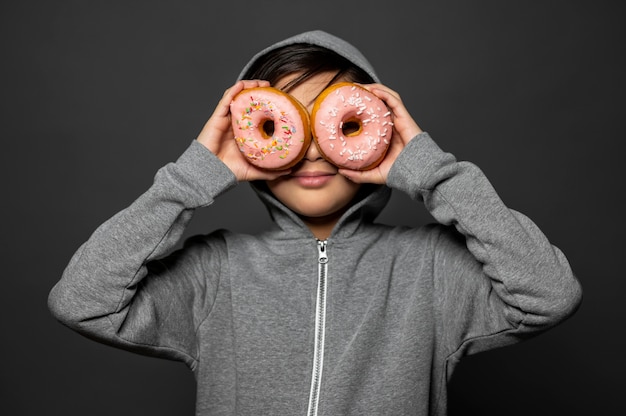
(307, 61)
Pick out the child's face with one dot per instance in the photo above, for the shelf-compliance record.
(314, 189)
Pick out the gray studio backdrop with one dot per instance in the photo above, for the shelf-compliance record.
(96, 96)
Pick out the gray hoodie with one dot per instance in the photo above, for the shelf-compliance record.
(370, 322)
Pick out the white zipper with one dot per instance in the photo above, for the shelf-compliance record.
(320, 328)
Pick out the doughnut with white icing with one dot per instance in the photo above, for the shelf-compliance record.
(351, 126)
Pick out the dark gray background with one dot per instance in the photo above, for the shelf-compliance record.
(97, 95)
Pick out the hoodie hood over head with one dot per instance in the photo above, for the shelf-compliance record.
(325, 40)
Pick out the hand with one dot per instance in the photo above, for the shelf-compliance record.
(404, 129)
(217, 136)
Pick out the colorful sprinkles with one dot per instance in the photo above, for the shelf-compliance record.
(278, 143)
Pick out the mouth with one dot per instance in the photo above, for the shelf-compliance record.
(313, 179)
(312, 173)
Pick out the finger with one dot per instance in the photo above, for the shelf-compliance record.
(254, 173)
(404, 124)
(270, 176)
(391, 98)
(382, 88)
(247, 84)
(363, 176)
(253, 83)
(223, 107)
(393, 101)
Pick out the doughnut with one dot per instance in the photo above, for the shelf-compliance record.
(270, 127)
(351, 126)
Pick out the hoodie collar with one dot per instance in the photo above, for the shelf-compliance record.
(368, 204)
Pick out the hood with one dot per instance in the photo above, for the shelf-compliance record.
(326, 40)
(372, 198)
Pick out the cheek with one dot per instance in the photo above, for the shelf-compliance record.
(314, 202)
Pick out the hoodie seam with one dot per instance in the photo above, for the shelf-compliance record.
(217, 292)
(458, 350)
(141, 266)
(191, 362)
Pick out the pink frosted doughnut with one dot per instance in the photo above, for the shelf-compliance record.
(271, 127)
(351, 126)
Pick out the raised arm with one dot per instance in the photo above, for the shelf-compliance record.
(119, 288)
(503, 278)
(104, 293)
(496, 275)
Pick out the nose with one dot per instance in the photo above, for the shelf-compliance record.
(312, 153)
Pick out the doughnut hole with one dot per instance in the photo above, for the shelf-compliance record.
(267, 128)
(351, 127)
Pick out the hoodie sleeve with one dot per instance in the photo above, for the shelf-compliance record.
(115, 289)
(496, 276)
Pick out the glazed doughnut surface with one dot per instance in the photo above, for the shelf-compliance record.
(271, 128)
(352, 126)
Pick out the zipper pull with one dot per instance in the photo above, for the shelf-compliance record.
(321, 249)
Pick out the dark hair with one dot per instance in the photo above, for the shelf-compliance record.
(306, 60)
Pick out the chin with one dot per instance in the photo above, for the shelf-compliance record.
(328, 201)
(319, 213)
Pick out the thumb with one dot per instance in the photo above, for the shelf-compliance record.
(363, 176)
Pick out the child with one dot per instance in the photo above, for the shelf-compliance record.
(327, 312)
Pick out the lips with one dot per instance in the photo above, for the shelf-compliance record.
(312, 173)
(313, 179)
